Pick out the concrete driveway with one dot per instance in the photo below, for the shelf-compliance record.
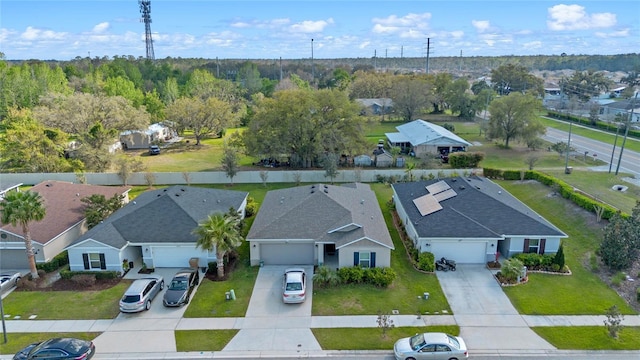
(146, 331)
(487, 319)
(270, 324)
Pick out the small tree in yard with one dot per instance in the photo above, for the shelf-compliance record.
(614, 321)
(559, 258)
(264, 175)
(531, 161)
(330, 165)
(384, 322)
(230, 161)
(620, 245)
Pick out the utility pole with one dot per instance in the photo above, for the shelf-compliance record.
(313, 72)
(626, 132)
(427, 65)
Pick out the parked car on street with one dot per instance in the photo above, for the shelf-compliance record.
(180, 287)
(140, 293)
(294, 286)
(58, 348)
(9, 280)
(154, 150)
(432, 346)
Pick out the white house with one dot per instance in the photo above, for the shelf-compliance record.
(423, 138)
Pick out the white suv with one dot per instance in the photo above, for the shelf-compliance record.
(139, 295)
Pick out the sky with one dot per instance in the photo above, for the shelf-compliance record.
(328, 29)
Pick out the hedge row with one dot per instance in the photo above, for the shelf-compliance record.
(56, 263)
(565, 190)
(100, 275)
(602, 125)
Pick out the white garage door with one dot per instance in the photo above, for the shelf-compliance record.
(13, 259)
(174, 257)
(463, 252)
(287, 254)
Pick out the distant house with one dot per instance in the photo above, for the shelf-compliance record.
(155, 228)
(424, 138)
(63, 223)
(380, 106)
(471, 219)
(382, 159)
(6, 187)
(320, 224)
(141, 139)
(609, 111)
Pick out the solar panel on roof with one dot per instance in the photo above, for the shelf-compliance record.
(427, 204)
(440, 186)
(447, 194)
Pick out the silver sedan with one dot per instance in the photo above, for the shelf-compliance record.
(9, 280)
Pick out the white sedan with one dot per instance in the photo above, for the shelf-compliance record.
(294, 286)
(9, 280)
(432, 346)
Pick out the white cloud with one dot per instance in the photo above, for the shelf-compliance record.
(574, 17)
(309, 26)
(364, 45)
(613, 34)
(33, 34)
(481, 25)
(410, 26)
(533, 45)
(100, 28)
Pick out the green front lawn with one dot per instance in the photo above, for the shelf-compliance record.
(63, 305)
(18, 341)
(372, 338)
(403, 295)
(582, 293)
(589, 337)
(203, 340)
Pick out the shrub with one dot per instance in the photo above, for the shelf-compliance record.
(54, 264)
(462, 160)
(426, 261)
(99, 275)
(380, 277)
(26, 283)
(251, 207)
(618, 278)
(85, 280)
(325, 277)
(511, 270)
(351, 275)
(558, 259)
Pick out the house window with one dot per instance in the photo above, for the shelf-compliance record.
(94, 261)
(534, 245)
(365, 259)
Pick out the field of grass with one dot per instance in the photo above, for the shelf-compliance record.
(582, 293)
(203, 340)
(590, 338)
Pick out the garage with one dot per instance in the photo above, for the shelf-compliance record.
(175, 256)
(463, 252)
(287, 254)
(14, 259)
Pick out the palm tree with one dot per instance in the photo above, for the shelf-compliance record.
(21, 208)
(219, 231)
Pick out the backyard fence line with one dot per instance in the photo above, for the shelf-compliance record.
(220, 177)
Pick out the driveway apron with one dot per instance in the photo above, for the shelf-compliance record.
(487, 319)
(272, 325)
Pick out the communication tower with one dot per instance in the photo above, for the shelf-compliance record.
(145, 10)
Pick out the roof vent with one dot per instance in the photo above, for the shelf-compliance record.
(312, 191)
(218, 201)
(326, 191)
(461, 187)
(165, 190)
(454, 179)
(177, 194)
(182, 189)
(326, 187)
(77, 194)
(313, 186)
(362, 201)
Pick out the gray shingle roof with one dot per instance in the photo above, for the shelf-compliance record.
(163, 216)
(315, 212)
(481, 209)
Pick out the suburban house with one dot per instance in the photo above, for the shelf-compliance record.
(63, 223)
(379, 106)
(155, 229)
(424, 138)
(141, 139)
(470, 220)
(6, 187)
(336, 226)
(611, 109)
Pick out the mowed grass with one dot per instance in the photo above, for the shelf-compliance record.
(18, 341)
(62, 305)
(403, 295)
(590, 337)
(203, 340)
(582, 293)
(372, 338)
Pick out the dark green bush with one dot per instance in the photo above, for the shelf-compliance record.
(57, 262)
(251, 207)
(99, 275)
(426, 262)
(380, 277)
(351, 275)
(464, 160)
